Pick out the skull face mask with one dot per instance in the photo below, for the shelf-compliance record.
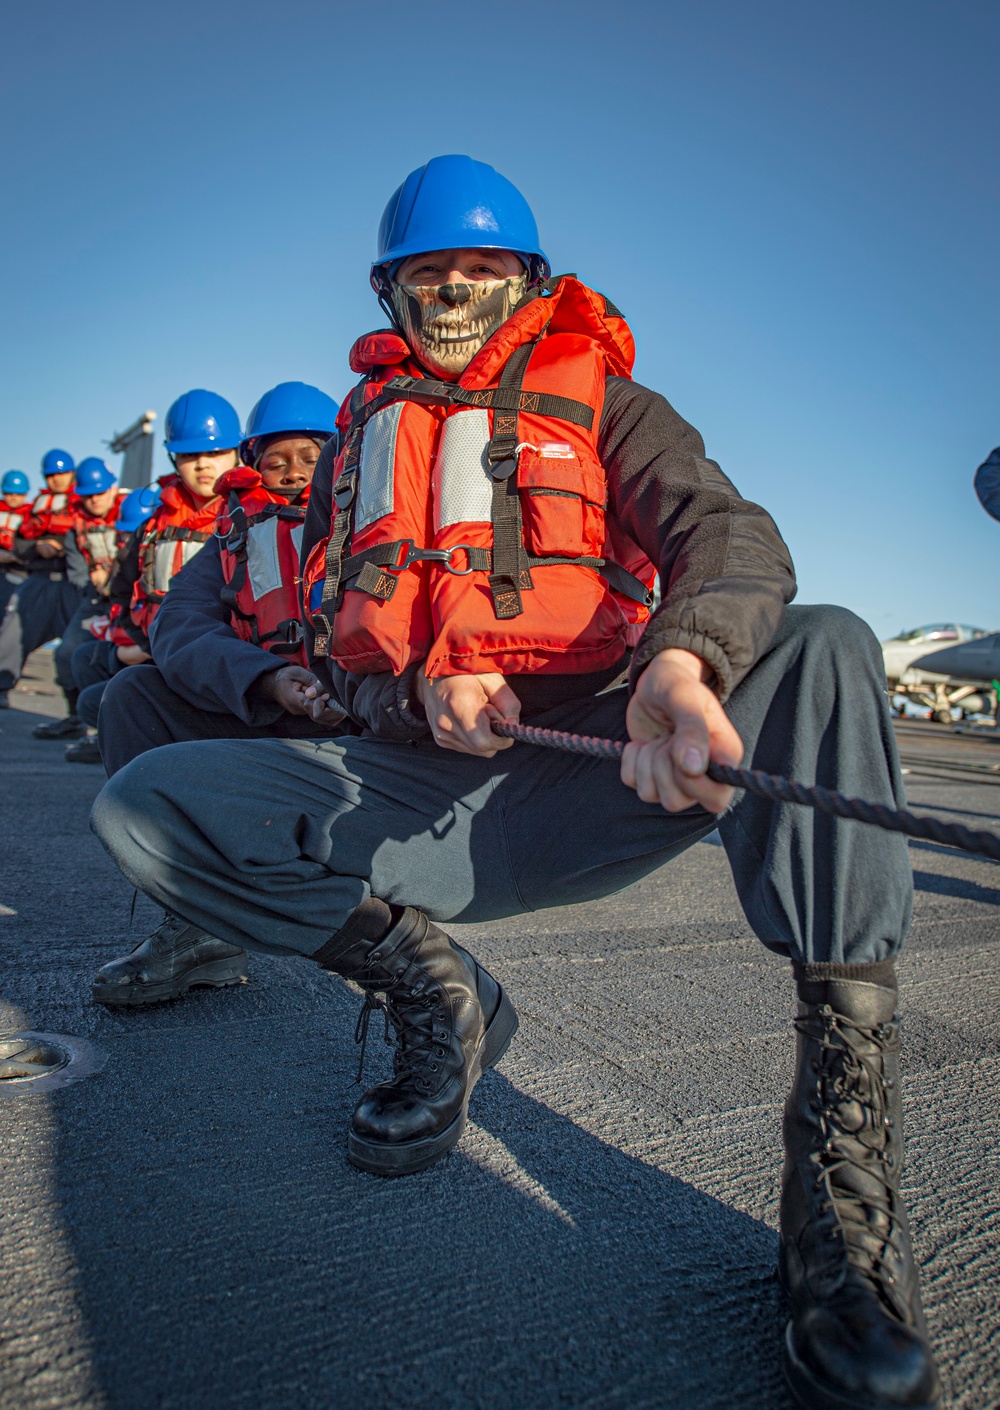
(447, 324)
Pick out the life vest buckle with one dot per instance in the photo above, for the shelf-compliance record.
(343, 490)
(459, 572)
(413, 554)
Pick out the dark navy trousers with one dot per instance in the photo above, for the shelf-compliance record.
(271, 843)
(39, 612)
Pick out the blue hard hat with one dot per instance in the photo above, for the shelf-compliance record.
(136, 508)
(290, 407)
(14, 482)
(57, 462)
(93, 477)
(456, 203)
(200, 421)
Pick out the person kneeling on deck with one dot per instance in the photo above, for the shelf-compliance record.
(97, 660)
(40, 609)
(15, 505)
(483, 546)
(91, 547)
(227, 642)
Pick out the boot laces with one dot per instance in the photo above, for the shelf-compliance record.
(164, 937)
(868, 1221)
(416, 1044)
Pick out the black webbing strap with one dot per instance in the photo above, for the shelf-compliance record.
(511, 575)
(345, 492)
(235, 543)
(617, 577)
(376, 570)
(427, 391)
(344, 496)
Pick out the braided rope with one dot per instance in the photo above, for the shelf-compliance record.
(780, 790)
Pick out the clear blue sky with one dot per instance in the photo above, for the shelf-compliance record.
(795, 204)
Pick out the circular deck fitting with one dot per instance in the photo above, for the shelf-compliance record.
(40, 1062)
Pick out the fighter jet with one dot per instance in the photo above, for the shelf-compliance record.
(974, 662)
(915, 668)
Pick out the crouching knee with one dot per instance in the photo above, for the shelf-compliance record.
(135, 808)
(836, 632)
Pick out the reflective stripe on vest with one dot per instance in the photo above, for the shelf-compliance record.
(169, 557)
(263, 562)
(100, 546)
(10, 522)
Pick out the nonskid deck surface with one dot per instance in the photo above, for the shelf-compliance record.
(182, 1230)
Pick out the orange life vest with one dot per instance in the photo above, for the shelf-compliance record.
(10, 522)
(96, 537)
(469, 526)
(261, 540)
(51, 516)
(167, 540)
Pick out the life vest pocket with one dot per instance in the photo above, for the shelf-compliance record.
(562, 502)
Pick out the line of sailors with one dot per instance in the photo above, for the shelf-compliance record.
(92, 564)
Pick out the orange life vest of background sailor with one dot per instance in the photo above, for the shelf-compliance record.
(498, 477)
(261, 540)
(169, 538)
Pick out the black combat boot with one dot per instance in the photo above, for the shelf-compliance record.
(175, 958)
(450, 1019)
(856, 1339)
(71, 727)
(84, 751)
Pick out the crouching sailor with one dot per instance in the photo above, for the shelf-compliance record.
(91, 547)
(96, 661)
(483, 546)
(227, 643)
(47, 600)
(15, 504)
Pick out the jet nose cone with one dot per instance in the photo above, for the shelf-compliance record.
(970, 660)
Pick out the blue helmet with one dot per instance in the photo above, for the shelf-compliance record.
(57, 462)
(290, 407)
(93, 477)
(200, 421)
(136, 508)
(456, 203)
(15, 482)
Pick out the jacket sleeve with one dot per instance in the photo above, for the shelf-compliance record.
(76, 565)
(25, 550)
(380, 702)
(197, 652)
(725, 572)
